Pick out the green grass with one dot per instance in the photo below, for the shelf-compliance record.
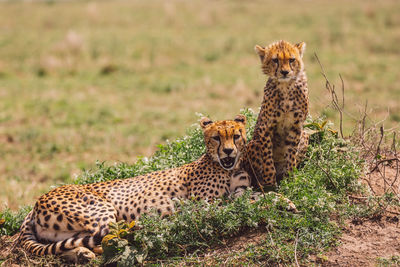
(107, 81)
(11, 221)
(388, 262)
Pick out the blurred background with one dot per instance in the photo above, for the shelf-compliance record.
(82, 81)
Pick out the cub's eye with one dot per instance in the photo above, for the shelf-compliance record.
(292, 60)
(216, 138)
(236, 136)
(275, 60)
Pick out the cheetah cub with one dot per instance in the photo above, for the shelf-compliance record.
(72, 220)
(279, 141)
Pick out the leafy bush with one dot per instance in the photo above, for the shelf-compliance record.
(11, 221)
(197, 225)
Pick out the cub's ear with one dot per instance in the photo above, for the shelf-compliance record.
(301, 47)
(241, 119)
(260, 51)
(204, 122)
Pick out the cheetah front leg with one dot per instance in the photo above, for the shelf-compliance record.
(302, 148)
(260, 161)
(292, 141)
(240, 181)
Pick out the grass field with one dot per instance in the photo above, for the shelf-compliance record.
(108, 81)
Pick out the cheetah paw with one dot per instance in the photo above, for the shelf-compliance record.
(79, 254)
(290, 205)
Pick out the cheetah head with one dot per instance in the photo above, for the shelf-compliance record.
(225, 140)
(282, 60)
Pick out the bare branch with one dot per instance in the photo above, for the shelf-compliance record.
(295, 249)
(334, 98)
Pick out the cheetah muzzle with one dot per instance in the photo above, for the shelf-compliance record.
(228, 162)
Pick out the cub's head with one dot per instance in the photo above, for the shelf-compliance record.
(282, 60)
(225, 140)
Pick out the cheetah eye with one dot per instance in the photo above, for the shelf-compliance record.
(291, 60)
(275, 60)
(236, 136)
(216, 138)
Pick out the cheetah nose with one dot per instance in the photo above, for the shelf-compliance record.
(228, 151)
(284, 72)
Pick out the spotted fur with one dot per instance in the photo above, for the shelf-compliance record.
(73, 219)
(279, 141)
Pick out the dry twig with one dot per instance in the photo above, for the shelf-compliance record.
(335, 100)
(295, 249)
(327, 175)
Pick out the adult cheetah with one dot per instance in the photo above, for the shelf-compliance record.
(279, 140)
(72, 220)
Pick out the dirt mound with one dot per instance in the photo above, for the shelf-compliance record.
(364, 241)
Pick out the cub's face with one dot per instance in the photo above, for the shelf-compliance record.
(281, 60)
(225, 140)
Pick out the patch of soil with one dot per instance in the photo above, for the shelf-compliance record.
(230, 253)
(365, 240)
(386, 178)
(6, 244)
(239, 243)
(362, 242)
(11, 256)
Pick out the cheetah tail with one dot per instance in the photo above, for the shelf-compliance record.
(29, 242)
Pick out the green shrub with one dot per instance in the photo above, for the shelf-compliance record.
(11, 221)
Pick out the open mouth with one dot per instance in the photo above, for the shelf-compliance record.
(228, 162)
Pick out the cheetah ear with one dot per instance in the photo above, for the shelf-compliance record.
(301, 47)
(241, 119)
(260, 51)
(204, 122)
